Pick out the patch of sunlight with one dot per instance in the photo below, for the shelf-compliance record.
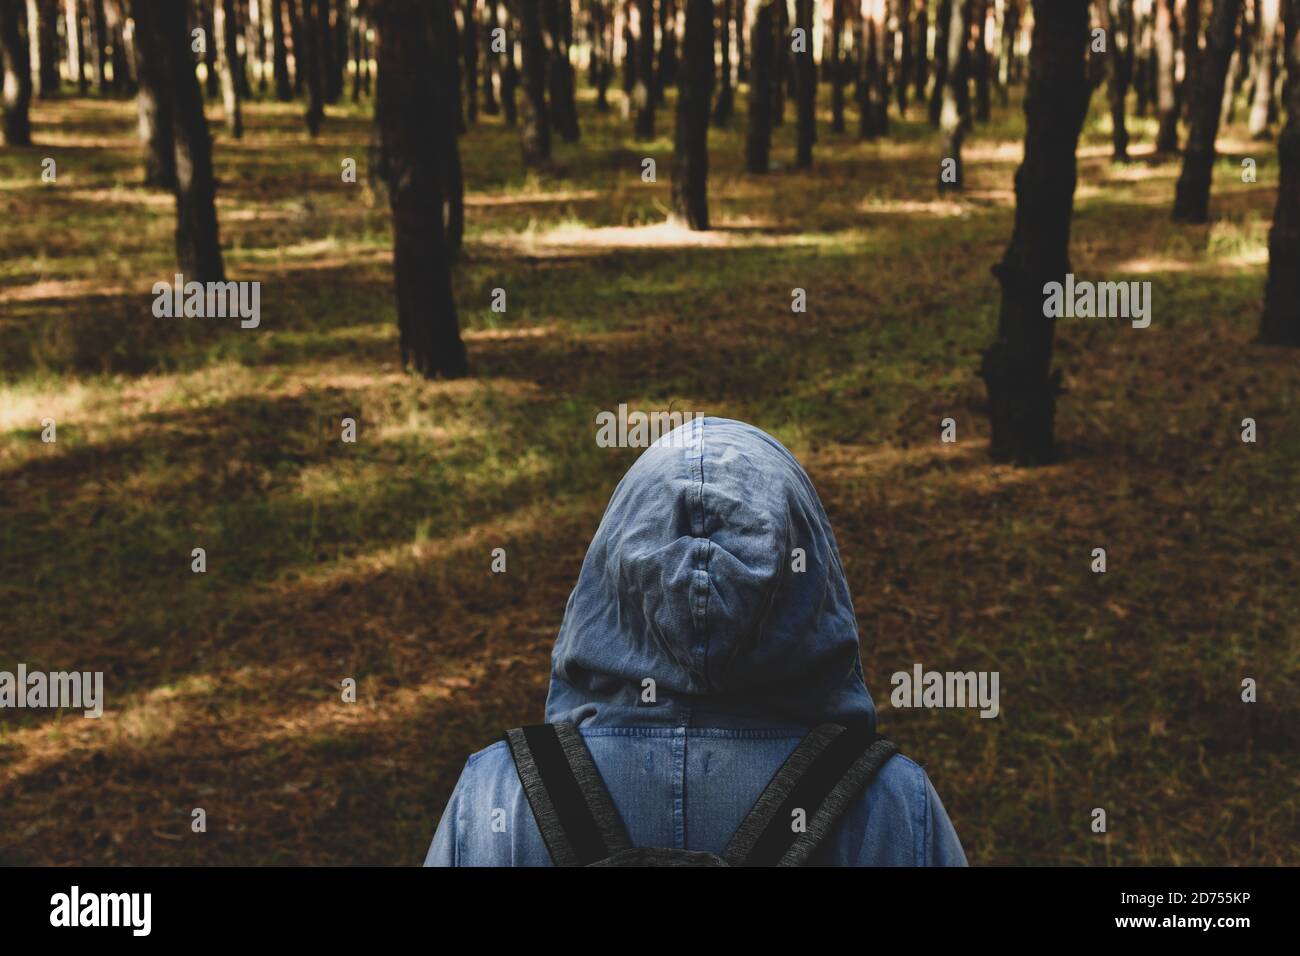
(1007, 151)
(23, 406)
(942, 208)
(529, 198)
(664, 235)
(505, 335)
(119, 195)
(68, 289)
(1145, 265)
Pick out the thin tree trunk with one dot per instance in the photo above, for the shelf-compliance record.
(491, 61)
(883, 60)
(227, 29)
(536, 134)
(980, 61)
(943, 18)
(758, 136)
(725, 104)
(416, 124)
(17, 75)
(1191, 38)
(564, 106)
(643, 93)
(921, 61)
(904, 10)
(666, 74)
(307, 48)
(954, 117)
(509, 70)
(1016, 368)
(469, 55)
(690, 184)
(806, 86)
(1265, 56)
(280, 52)
(1192, 197)
(1166, 98)
(1119, 28)
(834, 60)
(1280, 324)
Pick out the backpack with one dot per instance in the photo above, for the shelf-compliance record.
(581, 827)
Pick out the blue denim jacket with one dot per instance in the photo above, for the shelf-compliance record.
(710, 628)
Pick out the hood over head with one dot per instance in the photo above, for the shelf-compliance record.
(690, 582)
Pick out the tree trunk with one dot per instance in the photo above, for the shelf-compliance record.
(904, 11)
(1265, 56)
(943, 18)
(921, 61)
(643, 96)
(280, 52)
(1016, 368)
(758, 136)
(1191, 37)
(833, 62)
(564, 106)
(17, 75)
(726, 103)
(1192, 196)
(416, 123)
(691, 141)
(806, 85)
(469, 53)
(1166, 99)
(308, 47)
(980, 60)
(227, 59)
(153, 106)
(162, 32)
(1281, 320)
(1119, 29)
(509, 71)
(954, 117)
(536, 135)
(666, 74)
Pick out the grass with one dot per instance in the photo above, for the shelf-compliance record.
(371, 560)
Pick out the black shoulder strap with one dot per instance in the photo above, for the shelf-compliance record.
(573, 809)
(826, 772)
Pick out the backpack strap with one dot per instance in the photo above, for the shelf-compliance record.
(570, 803)
(824, 774)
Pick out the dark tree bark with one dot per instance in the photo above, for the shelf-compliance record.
(955, 116)
(491, 61)
(469, 53)
(1266, 12)
(691, 141)
(904, 12)
(1016, 368)
(726, 102)
(883, 58)
(98, 26)
(806, 87)
(1119, 69)
(17, 74)
(980, 61)
(1166, 97)
(227, 29)
(782, 67)
(162, 31)
(868, 67)
(1280, 324)
(834, 61)
(1191, 41)
(943, 18)
(416, 124)
(666, 74)
(536, 131)
(280, 52)
(563, 96)
(339, 37)
(643, 90)
(921, 70)
(758, 136)
(1192, 196)
(153, 107)
(509, 71)
(308, 47)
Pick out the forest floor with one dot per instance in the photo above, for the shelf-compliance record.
(371, 560)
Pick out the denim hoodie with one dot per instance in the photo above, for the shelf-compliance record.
(711, 627)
